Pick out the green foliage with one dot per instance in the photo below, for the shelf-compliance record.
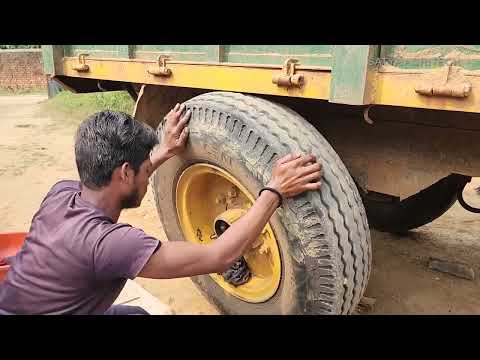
(86, 104)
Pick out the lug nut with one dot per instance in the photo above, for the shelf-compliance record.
(220, 199)
(232, 193)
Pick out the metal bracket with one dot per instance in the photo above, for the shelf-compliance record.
(161, 69)
(366, 117)
(449, 81)
(288, 78)
(81, 66)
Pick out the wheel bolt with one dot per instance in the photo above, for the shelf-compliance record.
(232, 193)
(220, 199)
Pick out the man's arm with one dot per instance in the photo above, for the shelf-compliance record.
(291, 176)
(182, 259)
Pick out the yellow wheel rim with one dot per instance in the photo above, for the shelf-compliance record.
(205, 193)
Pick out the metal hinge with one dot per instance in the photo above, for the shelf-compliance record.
(449, 81)
(161, 69)
(81, 66)
(288, 78)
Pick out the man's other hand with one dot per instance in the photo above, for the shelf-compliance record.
(294, 174)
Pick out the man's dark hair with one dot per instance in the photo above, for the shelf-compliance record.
(105, 141)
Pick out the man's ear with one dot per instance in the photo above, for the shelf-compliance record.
(126, 173)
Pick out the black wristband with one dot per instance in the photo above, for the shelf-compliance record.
(280, 197)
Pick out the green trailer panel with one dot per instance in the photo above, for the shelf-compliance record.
(100, 51)
(352, 74)
(192, 53)
(307, 55)
(431, 56)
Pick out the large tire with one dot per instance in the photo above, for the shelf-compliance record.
(389, 214)
(323, 236)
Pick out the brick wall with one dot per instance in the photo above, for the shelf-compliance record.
(22, 70)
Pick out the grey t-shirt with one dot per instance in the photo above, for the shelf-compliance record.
(75, 259)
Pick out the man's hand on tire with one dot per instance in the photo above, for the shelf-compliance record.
(294, 174)
(175, 131)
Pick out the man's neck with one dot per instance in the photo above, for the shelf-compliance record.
(104, 199)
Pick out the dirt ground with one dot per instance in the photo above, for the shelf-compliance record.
(37, 150)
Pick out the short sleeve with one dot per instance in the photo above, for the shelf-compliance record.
(122, 253)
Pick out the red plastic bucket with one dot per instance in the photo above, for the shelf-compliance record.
(10, 244)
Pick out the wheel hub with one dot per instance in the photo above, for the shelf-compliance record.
(239, 273)
(208, 201)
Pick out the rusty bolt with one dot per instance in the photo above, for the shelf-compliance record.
(257, 243)
(264, 249)
(232, 193)
(220, 199)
